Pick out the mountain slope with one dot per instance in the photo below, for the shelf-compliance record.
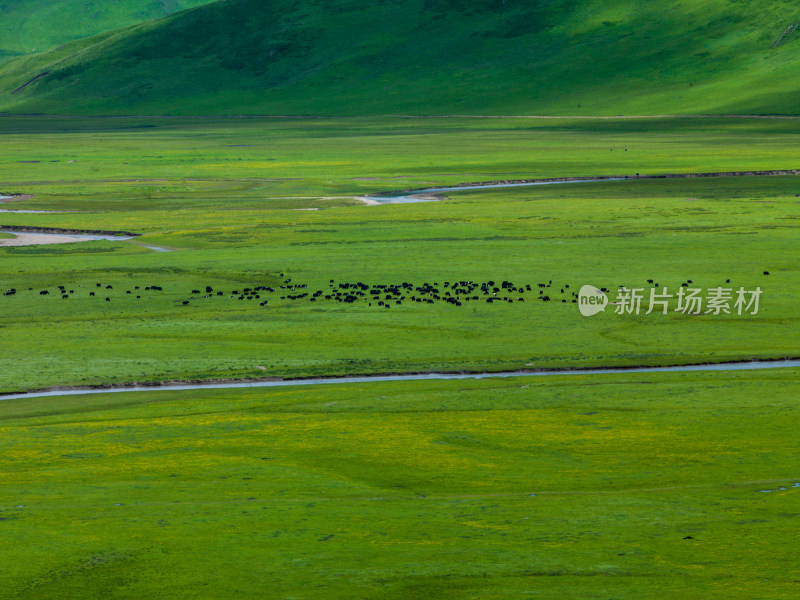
(37, 25)
(343, 57)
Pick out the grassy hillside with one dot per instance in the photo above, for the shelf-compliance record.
(37, 25)
(427, 57)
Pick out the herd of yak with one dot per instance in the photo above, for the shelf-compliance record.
(384, 295)
(67, 294)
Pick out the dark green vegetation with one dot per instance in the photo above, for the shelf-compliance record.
(615, 486)
(342, 57)
(223, 196)
(28, 26)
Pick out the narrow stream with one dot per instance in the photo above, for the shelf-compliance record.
(428, 194)
(735, 366)
(66, 237)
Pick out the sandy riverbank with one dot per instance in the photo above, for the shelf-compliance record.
(37, 239)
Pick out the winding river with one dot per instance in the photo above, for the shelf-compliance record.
(28, 238)
(431, 194)
(731, 366)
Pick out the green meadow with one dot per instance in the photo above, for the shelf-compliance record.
(592, 486)
(610, 486)
(152, 117)
(223, 196)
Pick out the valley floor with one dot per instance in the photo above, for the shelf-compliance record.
(623, 485)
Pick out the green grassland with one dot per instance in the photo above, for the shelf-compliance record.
(222, 196)
(648, 485)
(424, 57)
(580, 487)
(28, 26)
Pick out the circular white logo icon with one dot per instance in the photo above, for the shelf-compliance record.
(591, 300)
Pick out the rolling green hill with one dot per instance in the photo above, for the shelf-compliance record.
(342, 57)
(28, 26)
